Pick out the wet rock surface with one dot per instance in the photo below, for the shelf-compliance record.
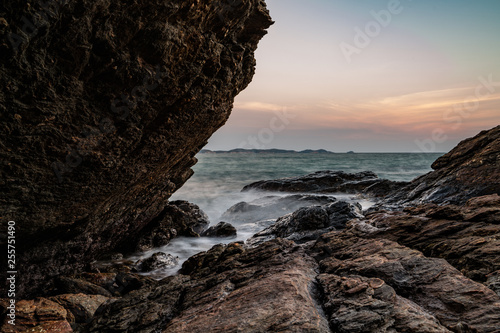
(156, 261)
(103, 106)
(328, 181)
(272, 207)
(308, 223)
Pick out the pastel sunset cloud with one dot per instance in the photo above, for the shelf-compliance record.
(416, 76)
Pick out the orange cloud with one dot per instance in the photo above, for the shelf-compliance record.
(450, 109)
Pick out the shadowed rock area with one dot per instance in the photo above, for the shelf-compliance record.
(103, 106)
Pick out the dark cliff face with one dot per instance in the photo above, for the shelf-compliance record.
(104, 105)
(469, 170)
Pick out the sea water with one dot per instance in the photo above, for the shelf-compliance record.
(218, 179)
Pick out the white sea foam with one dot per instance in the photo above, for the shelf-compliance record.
(219, 178)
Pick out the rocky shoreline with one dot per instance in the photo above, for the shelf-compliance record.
(327, 266)
(104, 105)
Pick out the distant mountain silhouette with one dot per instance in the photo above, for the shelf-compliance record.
(261, 151)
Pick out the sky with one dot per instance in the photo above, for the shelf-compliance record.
(370, 76)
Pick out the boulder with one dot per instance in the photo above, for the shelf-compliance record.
(358, 304)
(157, 260)
(81, 306)
(308, 223)
(178, 218)
(467, 236)
(103, 106)
(441, 296)
(37, 315)
(221, 229)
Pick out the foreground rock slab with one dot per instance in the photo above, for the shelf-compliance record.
(267, 289)
(467, 236)
(454, 301)
(271, 288)
(358, 304)
(349, 280)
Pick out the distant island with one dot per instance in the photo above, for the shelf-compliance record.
(262, 151)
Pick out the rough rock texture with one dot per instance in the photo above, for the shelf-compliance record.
(272, 207)
(470, 170)
(104, 284)
(38, 315)
(227, 289)
(73, 285)
(82, 307)
(103, 105)
(467, 236)
(359, 304)
(358, 282)
(365, 182)
(448, 299)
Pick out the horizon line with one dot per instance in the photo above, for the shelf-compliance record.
(326, 150)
